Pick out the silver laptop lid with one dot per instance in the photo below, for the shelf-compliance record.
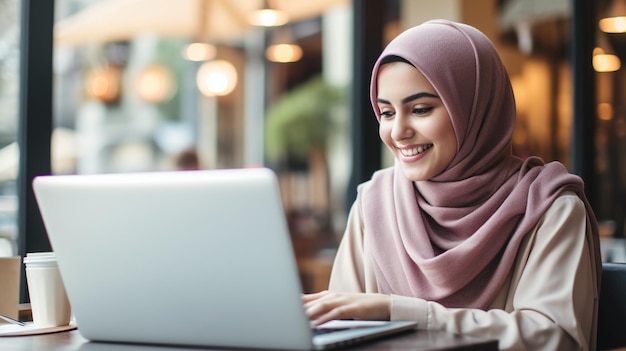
(193, 258)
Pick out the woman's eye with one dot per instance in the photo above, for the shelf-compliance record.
(386, 114)
(421, 110)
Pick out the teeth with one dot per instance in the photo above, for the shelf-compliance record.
(416, 150)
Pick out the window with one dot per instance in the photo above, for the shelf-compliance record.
(9, 97)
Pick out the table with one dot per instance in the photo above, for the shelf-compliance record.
(413, 340)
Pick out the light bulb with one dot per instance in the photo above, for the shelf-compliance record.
(216, 78)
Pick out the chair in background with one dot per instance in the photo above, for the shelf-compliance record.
(612, 308)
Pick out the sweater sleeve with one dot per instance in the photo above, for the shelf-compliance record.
(348, 274)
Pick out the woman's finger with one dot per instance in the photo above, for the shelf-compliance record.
(349, 306)
(314, 296)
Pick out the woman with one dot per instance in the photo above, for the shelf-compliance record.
(460, 235)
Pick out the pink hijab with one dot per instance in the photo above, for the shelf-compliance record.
(454, 238)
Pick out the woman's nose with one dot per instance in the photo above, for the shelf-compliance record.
(401, 128)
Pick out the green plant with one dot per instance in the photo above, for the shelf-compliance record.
(299, 121)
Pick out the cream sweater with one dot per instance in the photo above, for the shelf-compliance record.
(549, 302)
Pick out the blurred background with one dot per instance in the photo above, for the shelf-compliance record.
(165, 85)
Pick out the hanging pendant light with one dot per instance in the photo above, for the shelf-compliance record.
(267, 16)
(604, 59)
(200, 49)
(615, 22)
(104, 84)
(283, 53)
(216, 78)
(283, 49)
(603, 62)
(156, 84)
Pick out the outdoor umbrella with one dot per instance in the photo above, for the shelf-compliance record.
(218, 21)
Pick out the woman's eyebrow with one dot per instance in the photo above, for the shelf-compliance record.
(409, 98)
(418, 96)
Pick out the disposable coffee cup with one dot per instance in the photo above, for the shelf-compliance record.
(48, 299)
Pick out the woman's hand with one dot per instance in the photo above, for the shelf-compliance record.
(325, 306)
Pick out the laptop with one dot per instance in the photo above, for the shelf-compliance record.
(198, 258)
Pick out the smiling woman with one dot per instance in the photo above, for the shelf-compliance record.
(461, 235)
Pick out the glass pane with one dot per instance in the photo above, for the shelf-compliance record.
(609, 57)
(9, 97)
(128, 102)
(128, 98)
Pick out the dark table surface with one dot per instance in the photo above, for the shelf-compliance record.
(413, 340)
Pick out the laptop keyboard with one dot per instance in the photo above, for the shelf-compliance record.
(319, 331)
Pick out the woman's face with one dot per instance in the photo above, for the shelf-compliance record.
(414, 124)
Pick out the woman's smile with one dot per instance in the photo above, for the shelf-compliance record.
(413, 151)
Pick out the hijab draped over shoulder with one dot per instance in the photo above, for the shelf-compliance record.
(454, 238)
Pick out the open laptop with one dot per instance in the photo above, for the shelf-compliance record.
(198, 258)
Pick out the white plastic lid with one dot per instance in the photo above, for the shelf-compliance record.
(40, 259)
